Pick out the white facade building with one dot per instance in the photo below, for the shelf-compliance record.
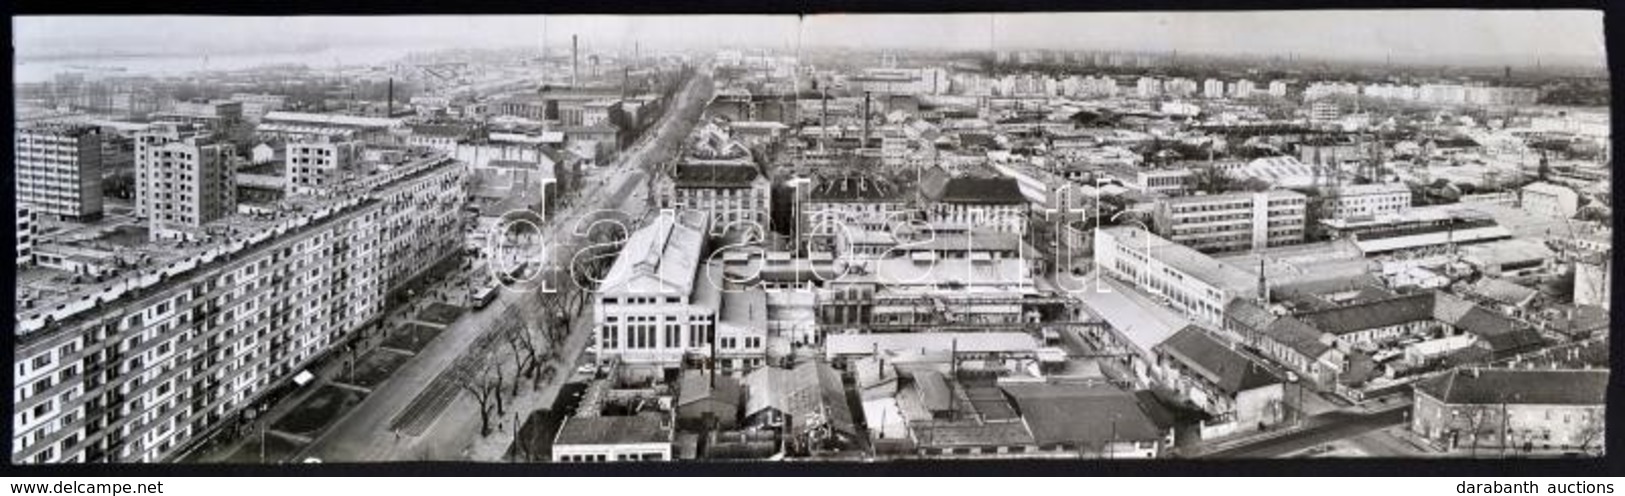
(1365, 200)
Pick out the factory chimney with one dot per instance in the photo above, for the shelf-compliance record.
(865, 143)
(389, 106)
(575, 61)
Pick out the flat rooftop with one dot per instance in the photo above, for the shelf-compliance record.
(120, 242)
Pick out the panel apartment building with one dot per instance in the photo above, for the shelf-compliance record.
(59, 171)
(1233, 221)
(183, 178)
(141, 367)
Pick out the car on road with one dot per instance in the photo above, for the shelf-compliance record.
(587, 369)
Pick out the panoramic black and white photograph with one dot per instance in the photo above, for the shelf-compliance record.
(591, 239)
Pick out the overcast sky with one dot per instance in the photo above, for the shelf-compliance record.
(1512, 36)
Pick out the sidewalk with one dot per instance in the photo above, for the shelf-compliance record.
(494, 448)
(328, 372)
(1206, 448)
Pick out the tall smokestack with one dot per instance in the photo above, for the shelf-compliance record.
(575, 61)
(823, 118)
(865, 119)
(389, 107)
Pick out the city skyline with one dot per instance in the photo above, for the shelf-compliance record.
(1519, 38)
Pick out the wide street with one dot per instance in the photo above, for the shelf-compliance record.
(1323, 428)
(365, 434)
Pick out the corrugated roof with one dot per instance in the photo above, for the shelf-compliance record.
(812, 388)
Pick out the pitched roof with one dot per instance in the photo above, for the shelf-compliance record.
(1476, 386)
(1226, 368)
(1249, 313)
(1076, 413)
(812, 388)
(934, 182)
(696, 386)
(983, 191)
(933, 389)
(1297, 335)
(691, 174)
(854, 188)
(660, 258)
(1372, 315)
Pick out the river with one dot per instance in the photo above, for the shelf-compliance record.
(36, 71)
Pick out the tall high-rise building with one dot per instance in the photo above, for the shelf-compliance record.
(1243, 89)
(59, 170)
(27, 228)
(1148, 87)
(1213, 88)
(140, 369)
(1278, 88)
(314, 166)
(183, 178)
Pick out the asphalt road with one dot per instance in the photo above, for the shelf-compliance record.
(1333, 426)
(448, 424)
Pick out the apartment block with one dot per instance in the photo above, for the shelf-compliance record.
(140, 368)
(316, 165)
(183, 180)
(27, 227)
(59, 171)
(1233, 221)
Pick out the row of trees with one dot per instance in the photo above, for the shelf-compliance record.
(535, 330)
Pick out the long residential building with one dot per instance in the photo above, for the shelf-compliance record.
(140, 368)
(59, 170)
(1233, 221)
(1513, 410)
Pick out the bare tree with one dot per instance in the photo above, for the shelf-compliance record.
(1591, 433)
(483, 390)
(496, 382)
(521, 360)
